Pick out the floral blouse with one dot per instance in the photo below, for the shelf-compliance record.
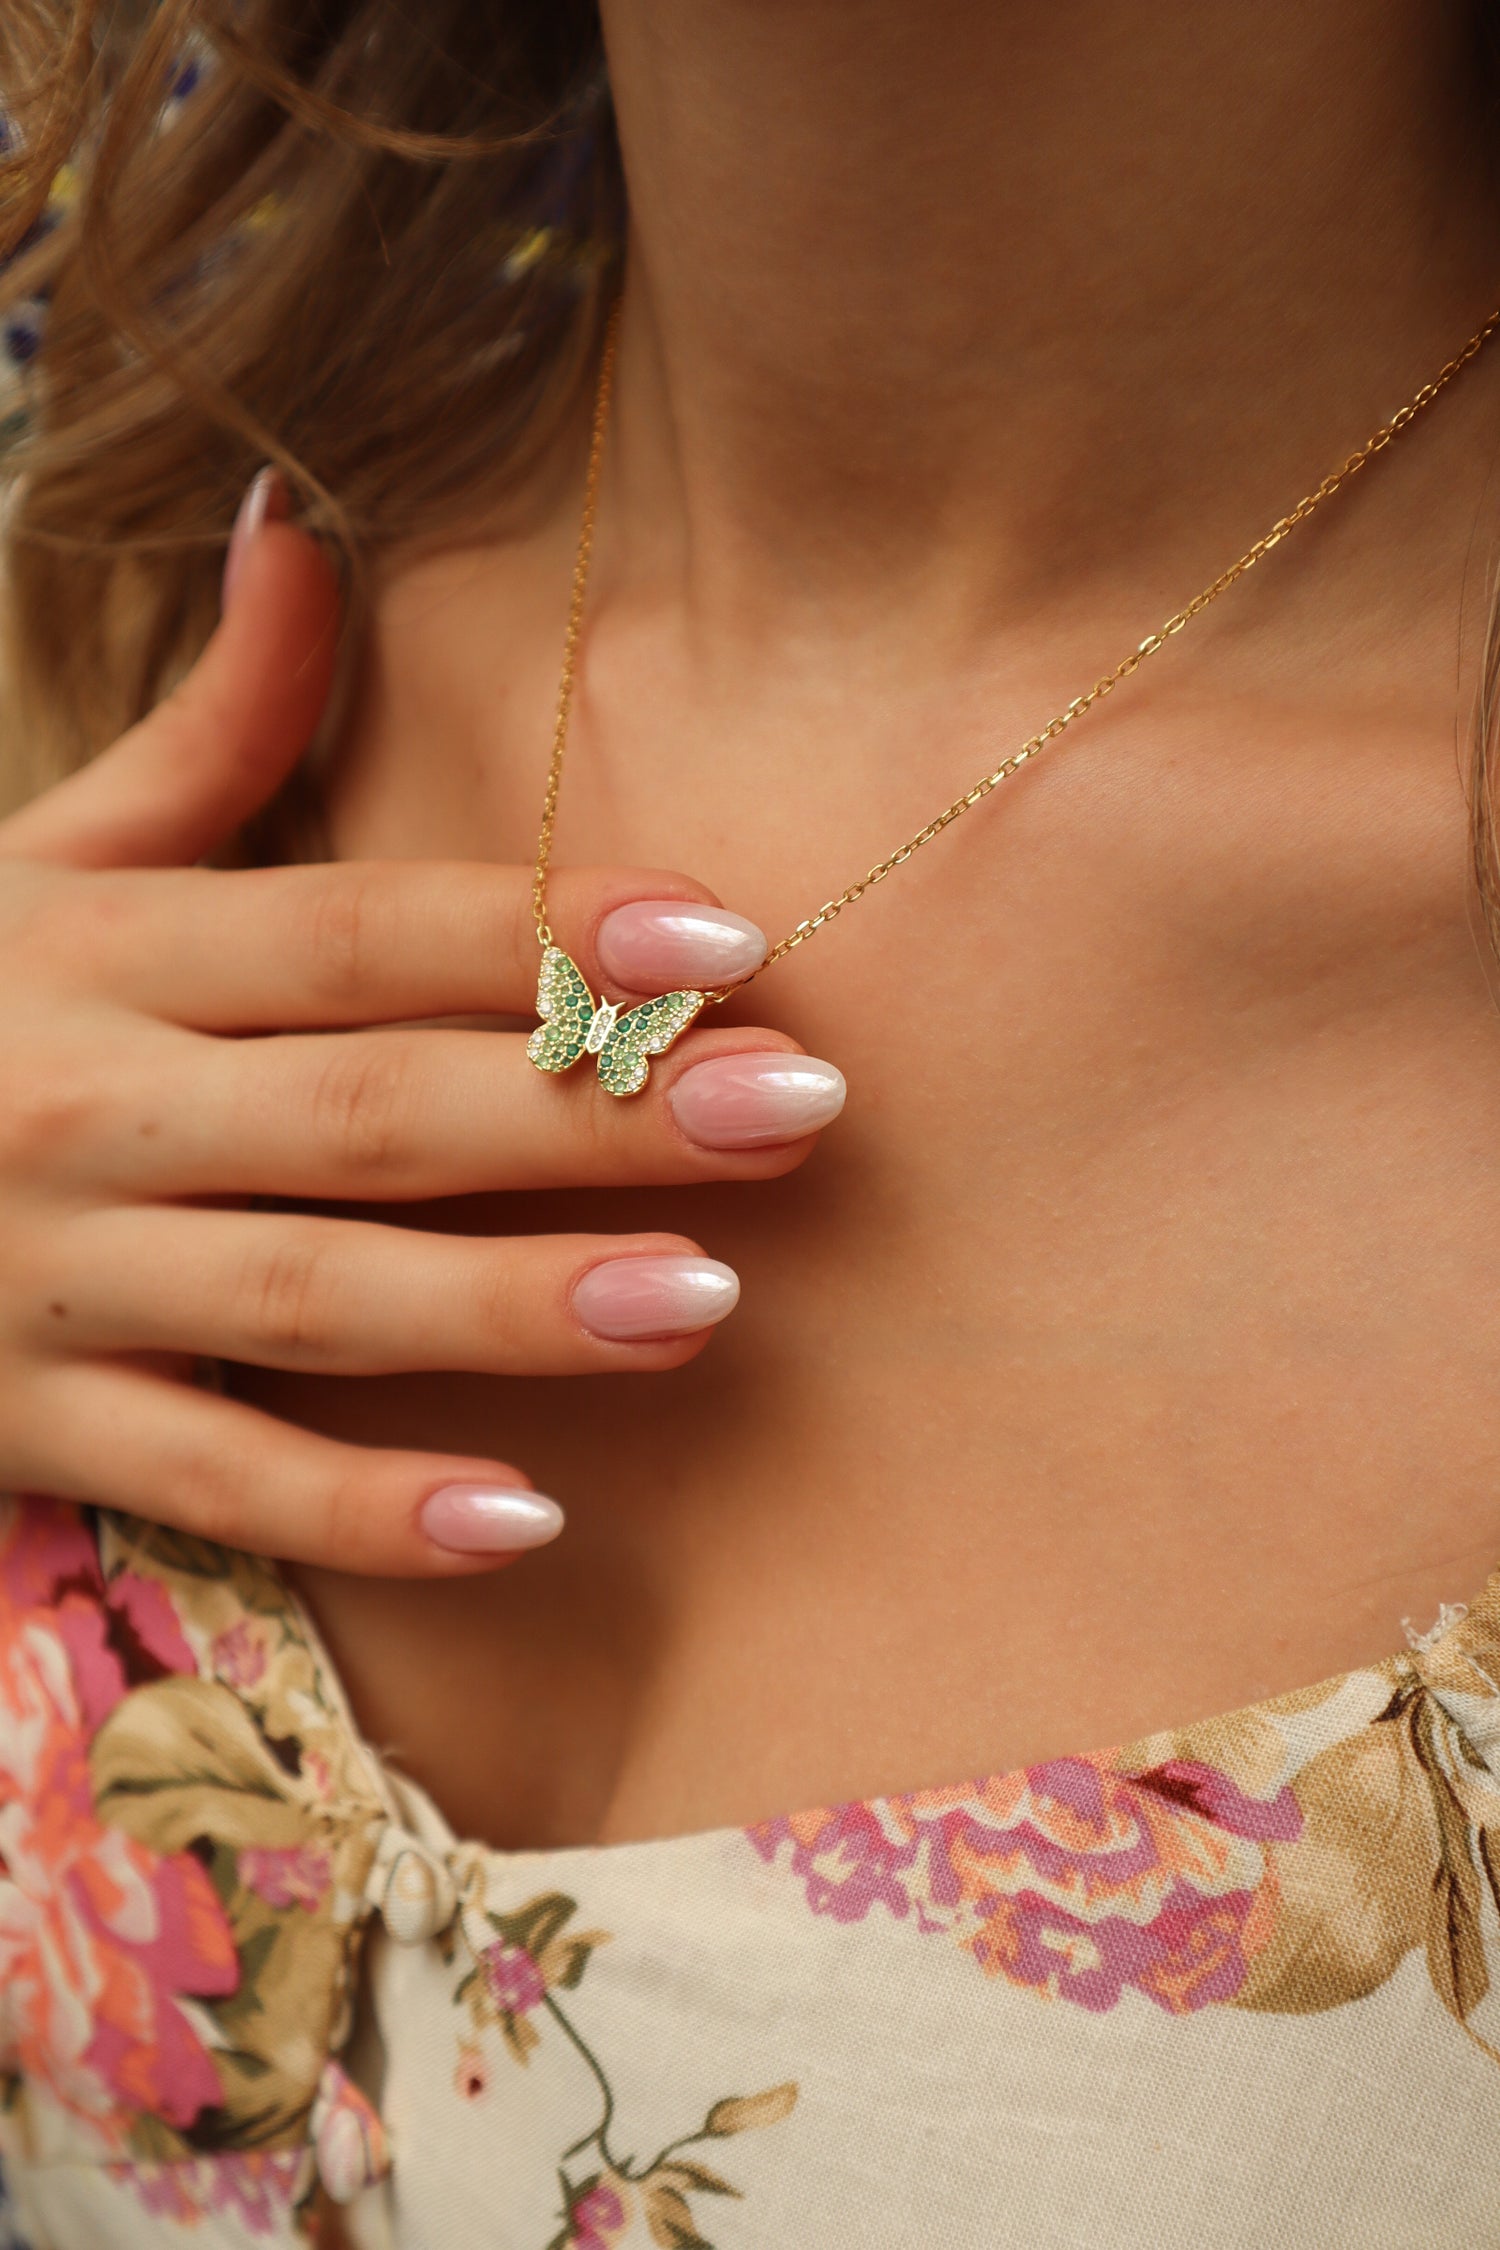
(1227, 1986)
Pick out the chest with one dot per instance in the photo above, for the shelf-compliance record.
(1128, 1351)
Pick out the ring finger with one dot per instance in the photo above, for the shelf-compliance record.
(354, 1297)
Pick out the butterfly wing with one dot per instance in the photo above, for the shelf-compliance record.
(624, 1059)
(566, 1007)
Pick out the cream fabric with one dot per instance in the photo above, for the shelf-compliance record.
(1227, 1987)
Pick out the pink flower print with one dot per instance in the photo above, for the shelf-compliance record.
(317, 1771)
(143, 1610)
(117, 1635)
(1199, 1788)
(1069, 1877)
(515, 1981)
(238, 1655)
(853, 1857)
(1189, 1954)
(292, 1875)
(348, 2137)
(121, 1636)
(100, 1938)
(598, 2218)
(258, 2188)
(98, 1675)
(44, 1550)
(164, 2189)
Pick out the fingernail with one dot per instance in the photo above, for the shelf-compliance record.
(744, 1101)
(655, 945)
(628, 1299)
(484, 1519)
(266, 501)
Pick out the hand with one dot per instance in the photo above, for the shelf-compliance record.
(177, 1041)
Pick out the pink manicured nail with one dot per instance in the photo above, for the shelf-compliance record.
(266, 501)
(628, 1299)
(746, 1101)
(485, 1519)
(656, 945)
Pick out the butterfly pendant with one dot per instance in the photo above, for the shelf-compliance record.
(574, 1025)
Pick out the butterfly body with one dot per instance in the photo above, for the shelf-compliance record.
(605, 1019)
(574, 1024)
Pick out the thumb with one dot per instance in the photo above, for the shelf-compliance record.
(221, 744)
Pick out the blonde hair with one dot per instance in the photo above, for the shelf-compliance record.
(370, 243)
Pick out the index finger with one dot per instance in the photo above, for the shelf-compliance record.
(364, 942)
(220, 745)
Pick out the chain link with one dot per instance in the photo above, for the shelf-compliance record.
(1128, 665)
(574, 633)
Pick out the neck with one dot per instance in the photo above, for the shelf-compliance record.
(991, 280)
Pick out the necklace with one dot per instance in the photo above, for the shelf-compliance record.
(573, 1024)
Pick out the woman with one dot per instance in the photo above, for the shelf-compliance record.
(1127, 1354)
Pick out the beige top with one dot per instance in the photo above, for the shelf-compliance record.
(1227, 1986)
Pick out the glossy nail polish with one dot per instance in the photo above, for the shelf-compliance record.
(750, 1101)
(626, 1300)
(266, 501)
(483, 1519)
(661, 945)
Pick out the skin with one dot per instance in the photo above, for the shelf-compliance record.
(141, 1127)
(1129, 1351)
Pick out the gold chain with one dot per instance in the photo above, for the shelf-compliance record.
(1127, 665)
(574, 633)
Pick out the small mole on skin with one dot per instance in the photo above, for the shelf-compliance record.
(149, 1129)
(58, 1311)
